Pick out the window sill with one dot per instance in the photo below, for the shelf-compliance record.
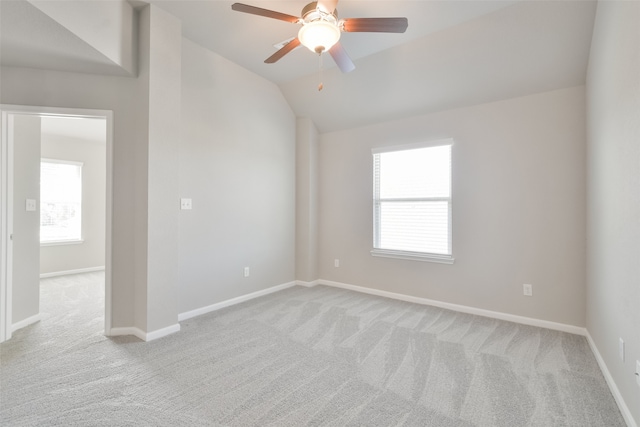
(414, 256)
(62, 242)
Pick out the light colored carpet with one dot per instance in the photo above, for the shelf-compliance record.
(319, 356)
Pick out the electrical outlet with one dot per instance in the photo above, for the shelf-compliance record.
(527, 290)
(186, 204)
(638, 372)
(246, 272)
(621, 349)
(336, 262)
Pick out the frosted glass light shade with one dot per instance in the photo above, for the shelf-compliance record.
(319, 36)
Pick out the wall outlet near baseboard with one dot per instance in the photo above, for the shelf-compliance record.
(638, 372)
(527, 290)
(246, 272)
(621, 349)
(336, 262)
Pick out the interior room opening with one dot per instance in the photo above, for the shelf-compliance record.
(56, 217)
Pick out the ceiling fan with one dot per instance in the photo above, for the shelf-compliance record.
(321, 29)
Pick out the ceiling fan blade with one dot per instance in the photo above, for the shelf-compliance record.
(341, 57)
(283, 51)
(375, 25)
(239, 7)
(328, 5)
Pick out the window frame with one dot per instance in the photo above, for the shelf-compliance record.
(74, 241)
(403, 254)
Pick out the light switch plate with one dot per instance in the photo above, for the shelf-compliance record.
(186, 204)
(638, 372)
(30, 205)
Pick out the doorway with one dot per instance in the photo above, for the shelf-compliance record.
(21, 204)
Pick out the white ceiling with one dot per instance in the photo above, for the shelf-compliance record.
(526, 48)
(455, 53)
(248, 39)
(81, 129)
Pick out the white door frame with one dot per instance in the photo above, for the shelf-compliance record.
(6, 200)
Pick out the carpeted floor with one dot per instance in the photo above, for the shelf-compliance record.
(319, 356)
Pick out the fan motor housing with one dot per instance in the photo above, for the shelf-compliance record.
(310, 12)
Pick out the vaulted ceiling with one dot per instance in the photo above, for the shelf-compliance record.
(454, 53)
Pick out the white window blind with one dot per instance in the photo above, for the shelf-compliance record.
(412, 202)
(60, 201)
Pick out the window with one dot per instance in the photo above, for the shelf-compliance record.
(60, 202)
(412, 202)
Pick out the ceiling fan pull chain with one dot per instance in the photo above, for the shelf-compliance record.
(320, 85)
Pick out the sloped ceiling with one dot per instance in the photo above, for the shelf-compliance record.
(248, 39)
(522, 49)
(29, 38)
(454, 53)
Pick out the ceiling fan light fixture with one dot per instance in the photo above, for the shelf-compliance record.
(319, 36)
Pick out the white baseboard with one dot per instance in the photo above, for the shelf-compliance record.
(150, 336)
(624, 409)
(307, 284)
(461, 308)
(67, 272)
(25, 322)
(145, 336)
(154, 335)
(117, 332)
(233, 301)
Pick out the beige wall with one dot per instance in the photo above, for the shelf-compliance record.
(90, 253)
(235, 157)
(613, 95)
(26, 224)
(307, 138)
(237, 164)
(518, 207)
(25, 86)
(157, 206)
